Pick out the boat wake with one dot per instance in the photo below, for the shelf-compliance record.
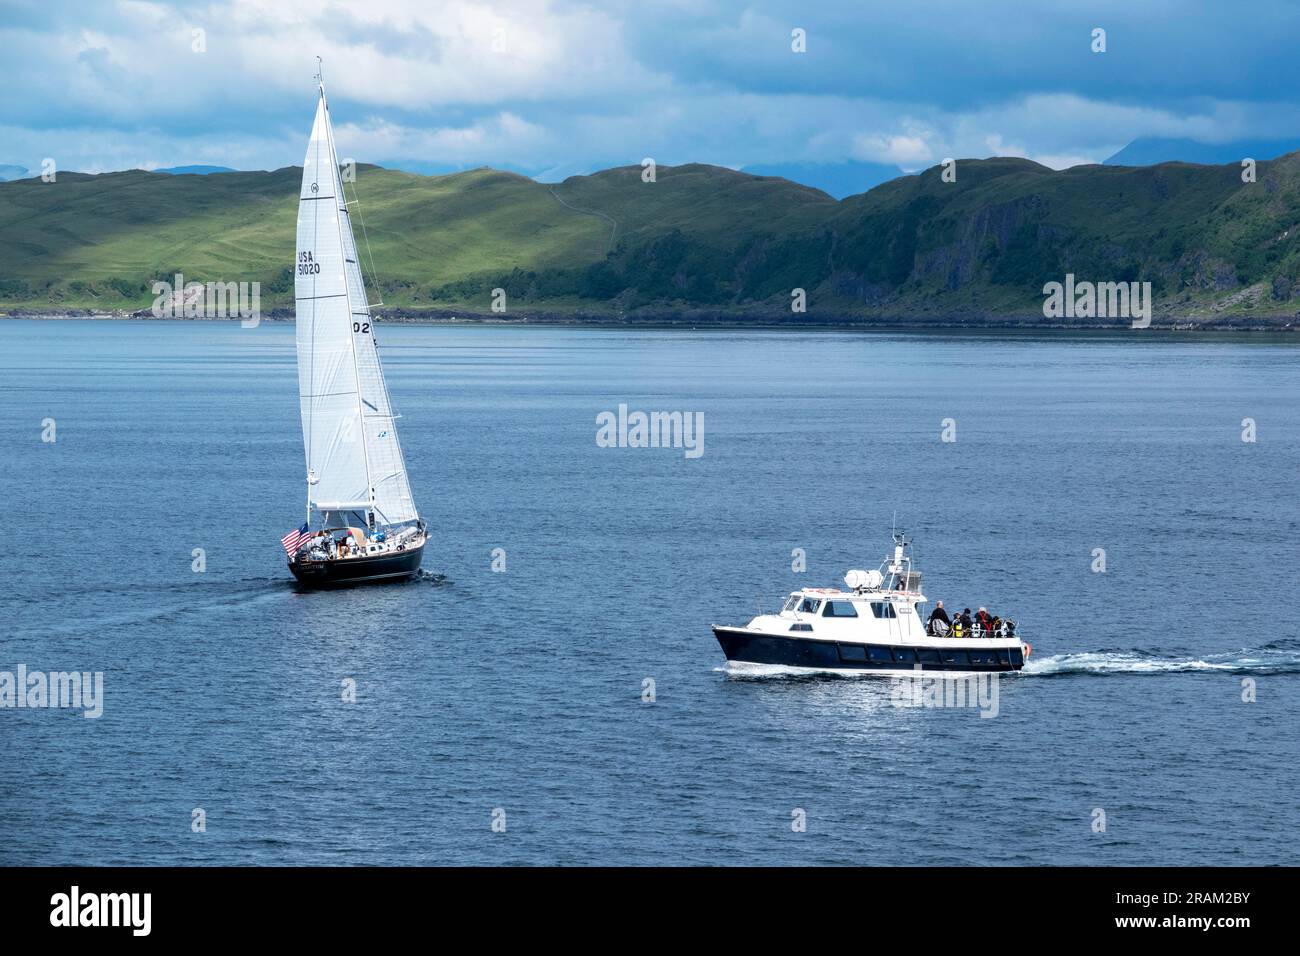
(1271, 659)
(1282, 657)
(170, 602)
(747, 670)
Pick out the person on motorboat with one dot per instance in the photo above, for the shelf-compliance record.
(983, 621)
(940, 615)
(965, 620)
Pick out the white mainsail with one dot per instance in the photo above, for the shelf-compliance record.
(354, 461)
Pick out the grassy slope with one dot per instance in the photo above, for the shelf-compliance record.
(700, 237)
(98, 241)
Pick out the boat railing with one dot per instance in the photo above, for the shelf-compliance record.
(1005, 629)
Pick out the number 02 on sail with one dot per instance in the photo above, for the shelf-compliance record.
(361, 520)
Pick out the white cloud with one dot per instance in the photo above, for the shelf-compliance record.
(377, 52)
(908, 151)
(504, 134)
(571, 85)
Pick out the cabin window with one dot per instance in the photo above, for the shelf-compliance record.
(810, 605)
(880, 655)
(883, 609)
(840, 609)
(904, 655)
(791, 604)
(801, 627)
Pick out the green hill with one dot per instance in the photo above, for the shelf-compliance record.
(700, 241)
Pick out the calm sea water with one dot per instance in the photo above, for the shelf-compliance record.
(522, 691)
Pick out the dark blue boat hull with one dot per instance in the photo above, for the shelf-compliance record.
(372, 569)
(741, 645)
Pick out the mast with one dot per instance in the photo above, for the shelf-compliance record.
(311, 474)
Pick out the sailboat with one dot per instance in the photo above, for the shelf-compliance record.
(362, 524)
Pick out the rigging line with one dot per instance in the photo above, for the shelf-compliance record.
(374, 341)
(365, 237)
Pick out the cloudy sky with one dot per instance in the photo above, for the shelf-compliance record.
(555, 87)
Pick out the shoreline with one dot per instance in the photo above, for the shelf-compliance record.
(1264, 324)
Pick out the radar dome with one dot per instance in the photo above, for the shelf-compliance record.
(863, 579)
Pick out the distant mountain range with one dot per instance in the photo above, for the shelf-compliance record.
(835, 179)
(10, 172)
(1150, 150)
(700, 243)
(194, 170)
(851, 177)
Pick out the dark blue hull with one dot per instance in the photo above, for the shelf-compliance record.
(741, 645)
(392, 566)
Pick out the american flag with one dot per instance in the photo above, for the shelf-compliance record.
(293, 539)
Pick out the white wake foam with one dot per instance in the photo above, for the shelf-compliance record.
(1244, 661)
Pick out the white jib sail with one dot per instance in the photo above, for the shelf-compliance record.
(354, 461)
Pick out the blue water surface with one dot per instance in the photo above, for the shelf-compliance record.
(518, 696)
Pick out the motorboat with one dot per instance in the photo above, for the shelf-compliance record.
(874, 625)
